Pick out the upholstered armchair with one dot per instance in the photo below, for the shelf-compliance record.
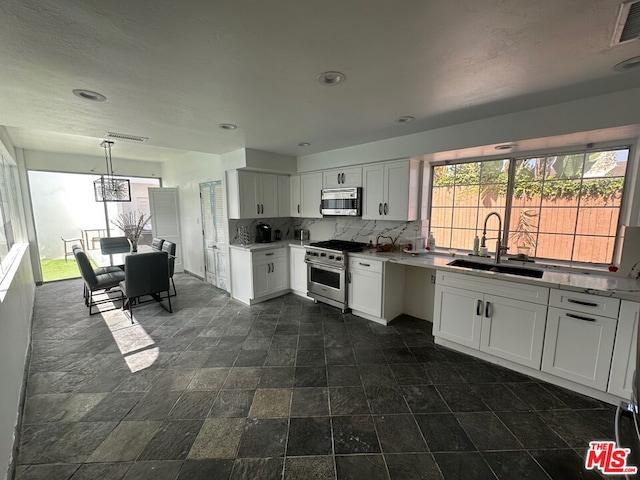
(145, 274)
(96, 280)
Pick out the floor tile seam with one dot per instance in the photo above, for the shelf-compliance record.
(503, 424)
(537, 414)
(539, 464)
(375, 429)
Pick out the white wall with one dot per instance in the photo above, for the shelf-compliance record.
(602, 112)
(187, 173)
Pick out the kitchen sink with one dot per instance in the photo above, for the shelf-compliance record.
(499, 268)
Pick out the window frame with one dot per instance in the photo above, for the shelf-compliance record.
(630, 192)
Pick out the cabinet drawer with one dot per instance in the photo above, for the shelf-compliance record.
(365, 264)
(268, 254)
(585, 303)
(500, 288)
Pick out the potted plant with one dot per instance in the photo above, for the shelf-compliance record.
(524, 235)
(132, 224)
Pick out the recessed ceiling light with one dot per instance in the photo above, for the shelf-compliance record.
(405, 119)
(89, 95)
(227, 126)
(628, 64)
(304, 144)
(506, 146)
(330, 78)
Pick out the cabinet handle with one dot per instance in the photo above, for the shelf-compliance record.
(581, 302)
(479, 308)
(364, 264)
(349, 277)
(268, 268)
(262, 208)
(379, 209)
(386, 209)
(258, 208)
(343, 178)
(580, 317)
(487, 310)
(320, 208)
(268, 254)
(298, 208)
(338, 178)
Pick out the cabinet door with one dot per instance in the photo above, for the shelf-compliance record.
(458, 315)
(295, 205)
(623, 363)
(249, 193)
(513, 330)
(269, 196)
(578, 347)
(372, 192)
(261, 272)
(279, 275)
(284, 196)
(365, 291)
(298, 270)
(342, 177)
(396, 191)
(310, 188)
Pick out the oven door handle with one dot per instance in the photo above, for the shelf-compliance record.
(328, 268)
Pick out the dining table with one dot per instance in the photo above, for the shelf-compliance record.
(117, 259)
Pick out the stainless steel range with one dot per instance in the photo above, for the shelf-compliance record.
(327, 271)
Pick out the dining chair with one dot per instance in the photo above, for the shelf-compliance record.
(111, 245)
(102, 281)
(145, 274)
(66, 242)
(97, 271)
(156, 243)
(170, 248)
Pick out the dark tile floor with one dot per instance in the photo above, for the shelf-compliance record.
(283, 389)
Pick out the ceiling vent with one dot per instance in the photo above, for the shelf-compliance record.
(628, 24)
(124, 136)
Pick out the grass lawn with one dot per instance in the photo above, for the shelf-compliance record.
(58, 269)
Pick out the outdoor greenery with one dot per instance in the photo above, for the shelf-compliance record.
(58, 269)
(557, 176)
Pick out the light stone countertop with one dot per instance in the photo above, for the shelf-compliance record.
(253, 247)
(592, 283)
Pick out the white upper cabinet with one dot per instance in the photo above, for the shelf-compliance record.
(284, 196)
(310, 194)
(391, 191)
(295, 201)
(255, 195)
(342, 177)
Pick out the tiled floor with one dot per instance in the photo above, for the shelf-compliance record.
(284, 389)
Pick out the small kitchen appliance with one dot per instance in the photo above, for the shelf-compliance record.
(301, 234)
(263, 233)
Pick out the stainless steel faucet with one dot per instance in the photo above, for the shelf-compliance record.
(499, 248)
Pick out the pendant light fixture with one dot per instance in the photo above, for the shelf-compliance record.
(108, 188)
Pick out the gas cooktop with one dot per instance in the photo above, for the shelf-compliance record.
(340, 245)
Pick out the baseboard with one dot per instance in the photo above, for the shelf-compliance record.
(199, 277)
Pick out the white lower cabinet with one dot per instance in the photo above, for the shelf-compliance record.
(365, 290)
(513, 330)
(578, 347)
(297, 271)
(467, 311)
(623, 363)
(268, 274)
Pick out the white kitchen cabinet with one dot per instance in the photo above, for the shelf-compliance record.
(305, 193)
(310, 194)
(623, 363)
(365, 287)
(252, 195)
(375, 288)
(269, 274)
(298, 271)
(513, 330)
(458, 315)
(391, 191)
(579, 346)
(342, 177)
(284, 196)
(502, 318)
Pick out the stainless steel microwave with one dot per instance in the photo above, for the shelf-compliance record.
(342, 201)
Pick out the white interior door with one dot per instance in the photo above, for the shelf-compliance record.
(165, 219)
(214, 234)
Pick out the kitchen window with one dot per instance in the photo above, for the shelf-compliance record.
(558, 207)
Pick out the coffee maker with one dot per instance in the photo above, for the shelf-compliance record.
(263, 233)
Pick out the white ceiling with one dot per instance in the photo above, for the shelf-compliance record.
(172, 71)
